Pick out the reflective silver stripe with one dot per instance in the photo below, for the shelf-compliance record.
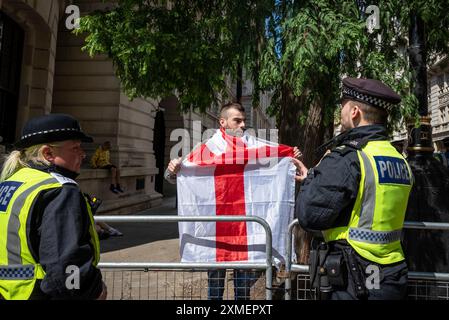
(370, 236)
(369, 195)
(13, 240)
(17, 272)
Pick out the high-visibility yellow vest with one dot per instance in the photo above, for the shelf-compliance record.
(18, 268)
(376, 222)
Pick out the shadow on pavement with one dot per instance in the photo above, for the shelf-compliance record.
(135, 234)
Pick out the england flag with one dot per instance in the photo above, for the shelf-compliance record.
(241, 176)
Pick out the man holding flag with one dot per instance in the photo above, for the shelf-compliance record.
(224, 176)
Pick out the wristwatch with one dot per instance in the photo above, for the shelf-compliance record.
(172, 175)
(169, 175)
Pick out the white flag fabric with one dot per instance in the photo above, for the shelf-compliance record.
(244, 176)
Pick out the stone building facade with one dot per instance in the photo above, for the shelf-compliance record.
(43, 70)
(57, 77)
(438, 102)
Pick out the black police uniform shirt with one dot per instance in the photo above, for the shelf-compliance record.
(327, 196)
(59, 236)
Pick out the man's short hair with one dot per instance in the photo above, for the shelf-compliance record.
(231, 105)
(372, 114)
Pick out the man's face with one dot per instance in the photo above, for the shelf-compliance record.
(234, 123)
(346, 115)
(69, 155)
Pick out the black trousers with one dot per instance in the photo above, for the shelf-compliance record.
(391, 285)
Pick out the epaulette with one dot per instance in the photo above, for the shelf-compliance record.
(357, 144)
(344, 149)
(62, 179)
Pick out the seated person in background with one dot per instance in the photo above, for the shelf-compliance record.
(101, 160)
(105, 231)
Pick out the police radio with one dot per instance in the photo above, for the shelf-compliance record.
(94, 202)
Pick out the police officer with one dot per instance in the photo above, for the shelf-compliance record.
(357, 197)
(48, 245)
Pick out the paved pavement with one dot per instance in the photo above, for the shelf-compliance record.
(155, 242)
(149, 242)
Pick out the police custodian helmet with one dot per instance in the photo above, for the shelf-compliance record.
(51, 128)
(370, 91)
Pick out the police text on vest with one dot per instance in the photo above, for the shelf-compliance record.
(392, 170)
(7, 190)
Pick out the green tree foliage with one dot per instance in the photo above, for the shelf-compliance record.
(296, 49)
(328, 39)
(183, 47)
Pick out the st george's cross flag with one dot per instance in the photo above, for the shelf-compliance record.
(243, 176)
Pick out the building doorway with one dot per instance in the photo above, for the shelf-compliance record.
(11, 50)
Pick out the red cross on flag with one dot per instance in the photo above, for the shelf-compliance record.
(241, 176)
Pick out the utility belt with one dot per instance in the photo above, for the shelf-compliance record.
(330, 264)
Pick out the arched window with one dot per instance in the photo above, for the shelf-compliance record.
(11, 47)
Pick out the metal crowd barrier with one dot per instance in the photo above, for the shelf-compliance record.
(195, 266)
(155, 284)
(412, 275)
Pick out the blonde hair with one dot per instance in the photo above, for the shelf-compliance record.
(17, 160)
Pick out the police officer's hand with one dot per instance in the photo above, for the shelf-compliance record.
(174, 166)
(296, 153)
(104, 292)
(301, 170)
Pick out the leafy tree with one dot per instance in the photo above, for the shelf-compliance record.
(297, 49)
(187, 47)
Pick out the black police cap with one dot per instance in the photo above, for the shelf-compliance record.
(51, 128)
(370, 91)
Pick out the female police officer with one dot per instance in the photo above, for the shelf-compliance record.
(48, 245)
